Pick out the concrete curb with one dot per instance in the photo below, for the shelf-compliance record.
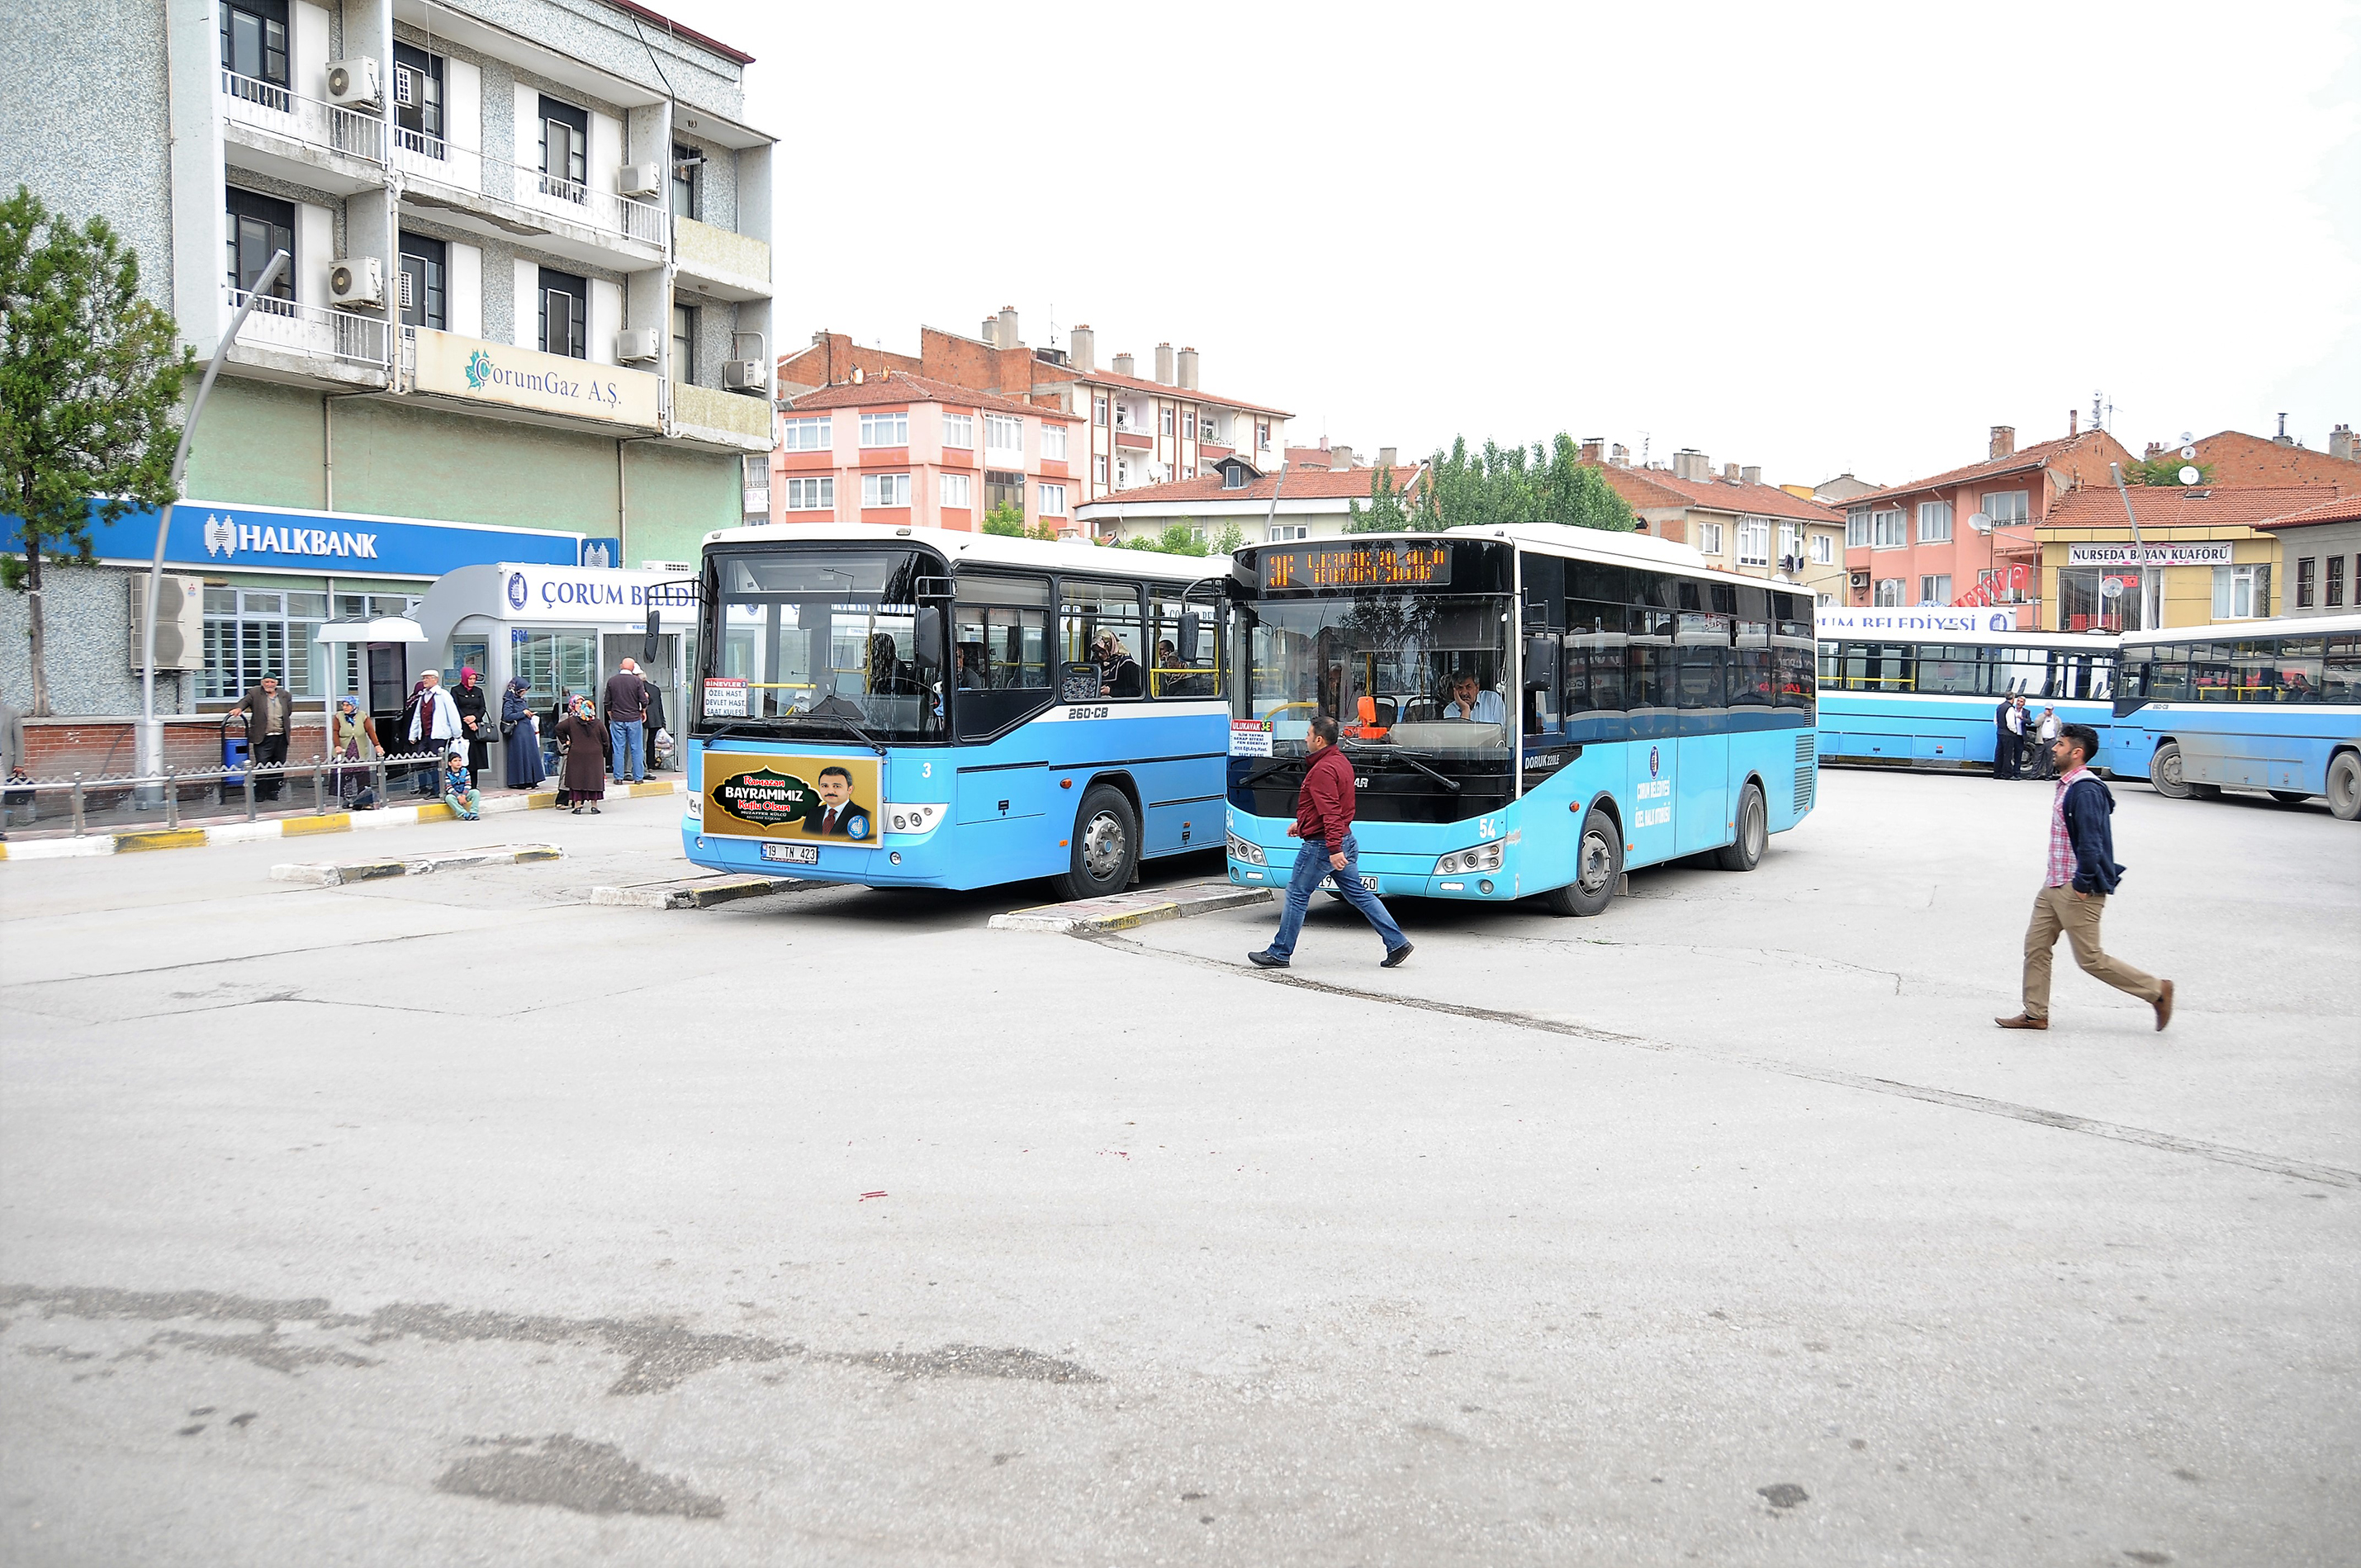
(693, 892)
(339, 873)
(1123, 911)
(296, 827)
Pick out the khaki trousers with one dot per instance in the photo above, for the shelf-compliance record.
(2055, 909)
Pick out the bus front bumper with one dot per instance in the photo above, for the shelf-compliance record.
(1386, 875)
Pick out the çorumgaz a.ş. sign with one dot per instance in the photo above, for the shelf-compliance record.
(475, 371)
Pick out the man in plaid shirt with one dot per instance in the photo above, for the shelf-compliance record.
(2081, 873)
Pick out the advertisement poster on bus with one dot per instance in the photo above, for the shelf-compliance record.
(819, 800)
(1250, 737)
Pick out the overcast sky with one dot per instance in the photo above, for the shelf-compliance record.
(1812, 237)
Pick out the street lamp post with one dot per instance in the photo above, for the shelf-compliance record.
(150, 751)
(2139, 554)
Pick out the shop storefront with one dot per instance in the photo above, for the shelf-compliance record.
(2124, 588)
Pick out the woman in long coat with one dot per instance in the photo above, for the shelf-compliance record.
(584, 740)
(467, 696)
(523, 748)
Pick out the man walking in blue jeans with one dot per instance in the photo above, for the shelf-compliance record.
(626, 712)
(1323, 820)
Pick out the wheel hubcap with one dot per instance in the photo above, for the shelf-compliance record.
(1597, 857)
(2170, 771)
(1754, 827)
(1102, 847)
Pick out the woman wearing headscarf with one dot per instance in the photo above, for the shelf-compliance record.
(352, 743)
(584, 740)
(521, 732)
(469, 698)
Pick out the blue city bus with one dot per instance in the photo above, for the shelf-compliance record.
(920, 708)
(2267, 705)
(1921, 688)
(1634, 706)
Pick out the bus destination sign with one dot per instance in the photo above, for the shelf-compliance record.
(1387, 565)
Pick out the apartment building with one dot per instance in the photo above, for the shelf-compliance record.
(909, 450)
(2206, 555)
(1143, 430)
(1935, 540)
(1734, 518)
(2319, 548)
(1314, 502)
(528, 317)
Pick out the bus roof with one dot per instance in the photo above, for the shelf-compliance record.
(986, 549)
(2280, 626)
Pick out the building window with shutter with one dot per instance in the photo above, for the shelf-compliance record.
(564, 314)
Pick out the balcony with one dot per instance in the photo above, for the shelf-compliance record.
(287, 341)
(564, 217)
(273, 131)
(719, 264)
(730, 420)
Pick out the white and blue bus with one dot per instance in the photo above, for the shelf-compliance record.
(919, 707)
(1921, 688)
(2266, 704)
(1633, 707)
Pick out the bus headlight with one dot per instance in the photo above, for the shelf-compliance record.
(1482, 858)
(1244, 853)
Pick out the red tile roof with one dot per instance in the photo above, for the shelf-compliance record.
(2346, 508)
(2169, 506)
(1302, 484)
(2025, 459)
(1647, 488)
(1047, 373)
(2237, 458)
(901, 386)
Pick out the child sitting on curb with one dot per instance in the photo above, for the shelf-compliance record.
(458, 791)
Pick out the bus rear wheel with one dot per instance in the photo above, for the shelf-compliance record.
(1105, 849)
(2164, 773)
(2344, 786)
(1745, 852)
(1598, 865)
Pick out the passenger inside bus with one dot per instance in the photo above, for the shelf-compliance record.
(1118, 671)
(974, 668)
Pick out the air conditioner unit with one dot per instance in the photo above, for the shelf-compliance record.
(744, 376)
(180, 621)
(1858, 580)
(636, 342)
(354, 82)
(359, 281)
(640, 180)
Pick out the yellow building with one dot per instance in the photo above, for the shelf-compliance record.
(2205, 560)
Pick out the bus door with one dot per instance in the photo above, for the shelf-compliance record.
(1701, 814)
(1651, 758)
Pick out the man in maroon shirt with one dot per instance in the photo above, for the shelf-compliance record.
(1323, 820)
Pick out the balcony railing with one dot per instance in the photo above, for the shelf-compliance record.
(432, 159)
(331, 128)
(296, 328)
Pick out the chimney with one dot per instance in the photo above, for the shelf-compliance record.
(1188, 368)
(1385, 456)
(2155, 450)
(2073, 422)
(2283, 438)
(990, 332)
(1083, 348)
(1339, 457)
(2003, 438)
(1690, 464)
(2340, 445)
(1123, 367)
(1164, 362)
(1751, 474)
(1594, 448)
(1007, 338)
(1620, 456)
(1730, 472)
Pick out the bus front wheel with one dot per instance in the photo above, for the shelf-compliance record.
(1105, 849)
(1598, 865)
(1745, 852)
(2164, 773)
(2344, 786)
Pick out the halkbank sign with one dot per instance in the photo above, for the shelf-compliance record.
(475, 371)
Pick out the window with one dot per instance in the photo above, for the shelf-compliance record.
(687, 181)
(564, 149)
(1002, 488)
(1098, 468)
(1207, 428)
(1791, 543)
(1053, 442)
(250, 633)
(564, 314)
(1003, 432)
(254, 46)
(958, 490)
(1282, 533)
(2303, 574)
(885, 490)
(2241, 593)
(2006, 507)
(811, 495)
(1262, 435)
(1825, 598)
(1857, 529)
(1886, 530)
(754, 479)
(422, 281)
(260, 227)
(1000, 650)
(1189, 425)
(958, 430)
(1754, 541)
(1098, 410)
(1888, 595)
(1090, 611)
(1824, 549)
(1708, 538)
(1053, 500)
(804, 434)
(1167, 421)
(418, 100)
(886, 429)
(2333, 598)
(1935, 589)
(1934, 522)
(684, 343)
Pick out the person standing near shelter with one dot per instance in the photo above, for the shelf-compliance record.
(352, 741)
(434, 725)
(474, 719)
(521, 732)
(270, 713)
(2044, 753)
(627, 715)
(2073, 898)
(2005, 740)
(583, 740)
(1323, 820)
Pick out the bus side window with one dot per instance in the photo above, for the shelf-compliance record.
(2298, 661)
(2340, 673)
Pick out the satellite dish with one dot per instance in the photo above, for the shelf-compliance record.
(2188, 454)
(2188, 474)
(1979, 522)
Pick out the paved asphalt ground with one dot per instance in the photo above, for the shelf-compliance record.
(452, 1220)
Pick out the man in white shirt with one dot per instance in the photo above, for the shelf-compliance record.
(434, 725)
(1467, 702)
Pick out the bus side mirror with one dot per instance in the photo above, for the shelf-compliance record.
(929, 637)
(1541, 662)
(1186, 642)
(648, 643)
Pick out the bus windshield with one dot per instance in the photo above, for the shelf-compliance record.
(810, 640)
(1418, 670)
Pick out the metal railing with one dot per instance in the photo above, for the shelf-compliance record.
(553, 195)
(311, 329)
(331, 128)
(330, 781)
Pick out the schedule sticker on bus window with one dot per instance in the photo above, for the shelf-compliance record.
(724, 698)
(1387, 565)
(816, 800)
(1250, 737)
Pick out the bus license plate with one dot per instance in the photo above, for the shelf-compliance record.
(793, 854)
(1370, 882)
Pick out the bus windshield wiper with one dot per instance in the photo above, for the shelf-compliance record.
(1450, 784)
(1267, 769)
(773, 734)
(865, 738)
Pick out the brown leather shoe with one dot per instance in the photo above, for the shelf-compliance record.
(2023, 1021)
(2164, 1008)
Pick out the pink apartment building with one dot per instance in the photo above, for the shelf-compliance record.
(904, 449)
(1915, 543)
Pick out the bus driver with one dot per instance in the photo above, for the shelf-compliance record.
(1466, 702)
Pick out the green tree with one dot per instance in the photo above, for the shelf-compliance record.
(1387, 511)
(1177, 538)
(89, 379)
(1006, 518)
(1546, 482)
(2164, 470)
(1229, 538)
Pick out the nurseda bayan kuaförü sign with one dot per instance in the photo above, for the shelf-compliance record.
(821, 800)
